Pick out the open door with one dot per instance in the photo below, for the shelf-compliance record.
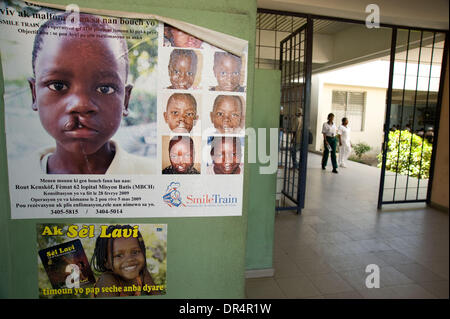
(413, 104)
(295, 66)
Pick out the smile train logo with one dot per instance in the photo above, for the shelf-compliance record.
(172, 197)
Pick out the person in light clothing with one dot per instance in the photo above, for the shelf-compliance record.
(345, 145)
(329, 140)
(297, 138)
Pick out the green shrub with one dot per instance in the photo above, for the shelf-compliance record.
(407, 153)
(360, 149)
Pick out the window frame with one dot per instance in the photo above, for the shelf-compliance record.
(347, 95)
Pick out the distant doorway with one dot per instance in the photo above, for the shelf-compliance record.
(409, 98)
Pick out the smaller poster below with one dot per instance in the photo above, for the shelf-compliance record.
(101, 260)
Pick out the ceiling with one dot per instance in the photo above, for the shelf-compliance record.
(415, 13)
(268, 21)
(344, 43)
(285, 23)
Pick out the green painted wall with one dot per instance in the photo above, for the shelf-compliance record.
(261, 209)
(206, 256)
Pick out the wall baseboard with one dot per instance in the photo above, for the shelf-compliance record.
(259, 273)
(439, 207)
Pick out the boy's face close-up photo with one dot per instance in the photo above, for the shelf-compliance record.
(79, 91)
(227, 114)
(182, 72)
(181, 156)
(180, 114)
(184, 40)
(228, 73)
(127, 258)
(226, 157)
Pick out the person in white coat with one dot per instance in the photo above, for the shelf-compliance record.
(345, 145)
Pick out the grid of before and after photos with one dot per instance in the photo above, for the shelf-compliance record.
(201, 106)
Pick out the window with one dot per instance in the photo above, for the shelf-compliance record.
(350, 105)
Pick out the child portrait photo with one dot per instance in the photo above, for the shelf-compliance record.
(84, 96)
(181, 113)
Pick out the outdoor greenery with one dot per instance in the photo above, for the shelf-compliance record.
(360, 149)
(142, 58)
(142, 108)
(408, 153)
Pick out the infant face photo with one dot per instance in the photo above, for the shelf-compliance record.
(227, 70)
(226, 155)
(182, 69)
(181, 113)
(227, 114)
(180, 39)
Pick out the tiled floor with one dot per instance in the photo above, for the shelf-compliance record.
(323, 253)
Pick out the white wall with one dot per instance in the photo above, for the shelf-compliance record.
(372, 74)
(314, 110)
(374, 114)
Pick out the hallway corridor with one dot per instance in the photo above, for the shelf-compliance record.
(323, 252)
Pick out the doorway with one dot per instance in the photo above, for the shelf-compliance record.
(337, 44)
(411, 126)
(295, 66)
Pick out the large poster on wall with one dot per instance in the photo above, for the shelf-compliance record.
(112, 116)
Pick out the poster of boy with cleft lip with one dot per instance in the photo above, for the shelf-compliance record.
(90, 103)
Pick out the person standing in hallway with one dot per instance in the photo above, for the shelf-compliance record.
(329, 140)
(297, 138)
(345, 145)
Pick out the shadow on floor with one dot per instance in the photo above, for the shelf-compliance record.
(323, 253)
